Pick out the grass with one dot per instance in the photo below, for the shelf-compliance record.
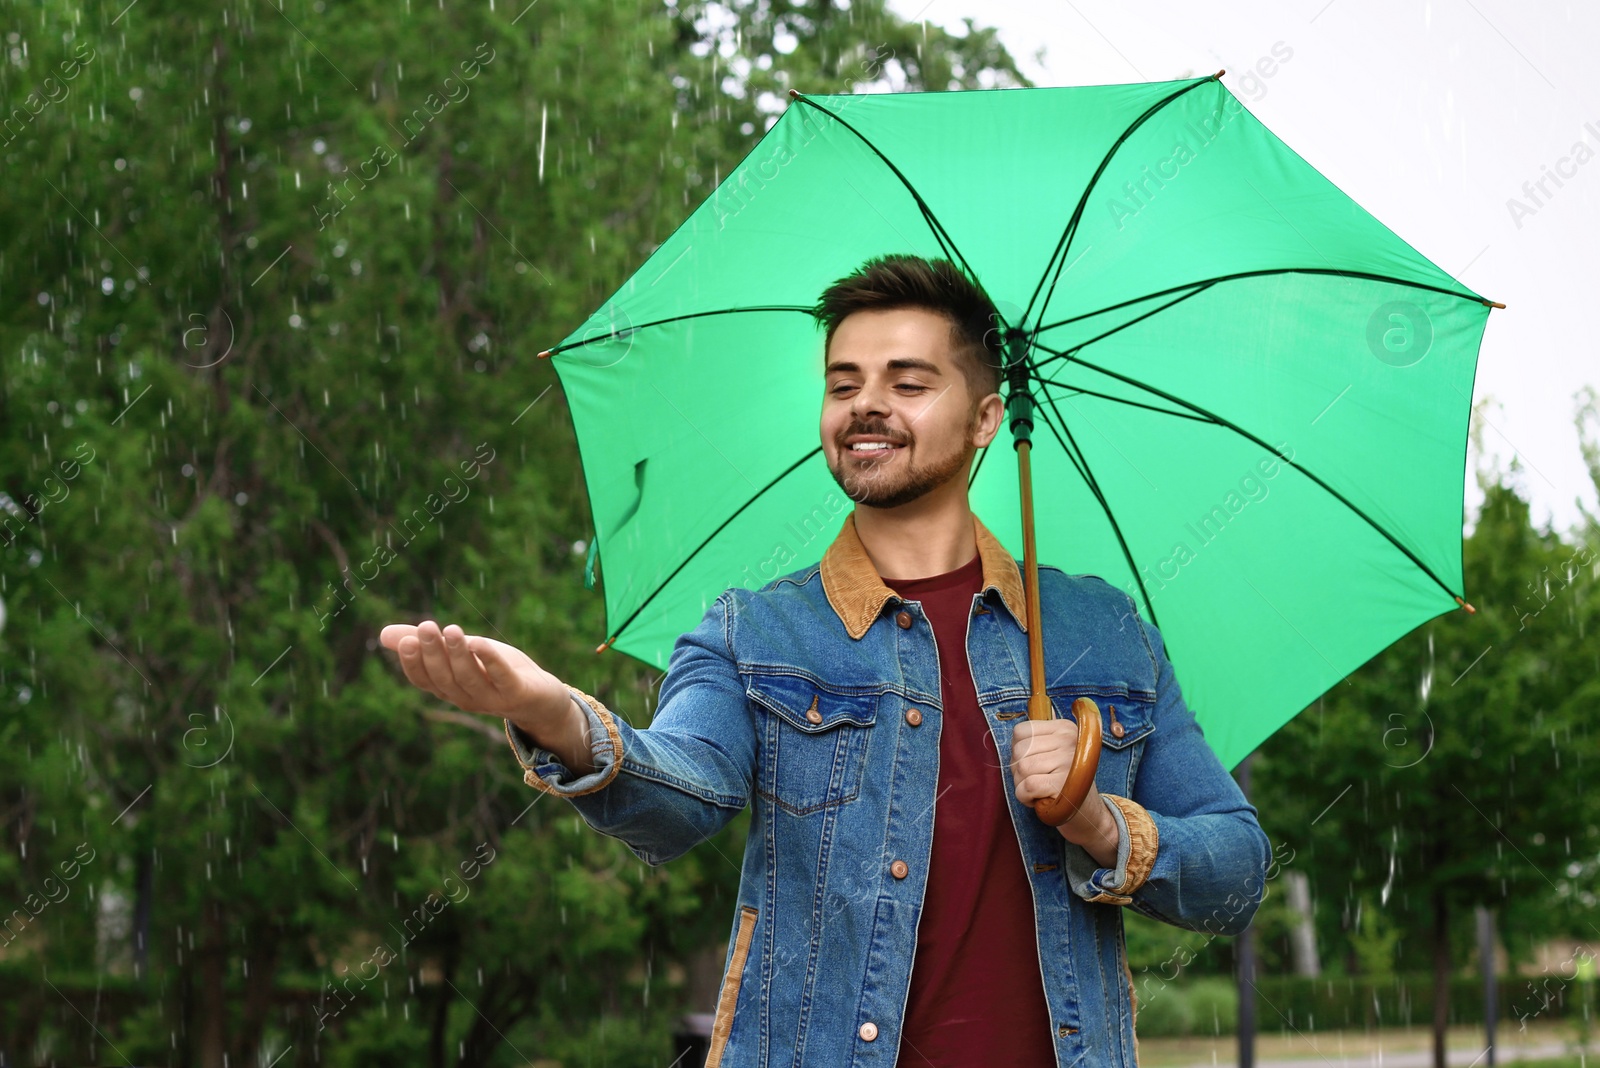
(1529, 1048)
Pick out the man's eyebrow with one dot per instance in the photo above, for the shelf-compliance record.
(902, 364)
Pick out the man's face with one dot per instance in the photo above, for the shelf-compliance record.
(898, 419)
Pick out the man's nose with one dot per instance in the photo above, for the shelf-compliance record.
(871, 399)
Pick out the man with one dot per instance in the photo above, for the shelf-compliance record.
(900, 902)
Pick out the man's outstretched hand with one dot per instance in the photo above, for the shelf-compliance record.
(478, 674)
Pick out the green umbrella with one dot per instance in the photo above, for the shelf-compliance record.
(1250, 397)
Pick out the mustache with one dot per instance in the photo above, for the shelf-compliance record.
(875, 429)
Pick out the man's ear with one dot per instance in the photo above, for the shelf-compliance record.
(991, 412)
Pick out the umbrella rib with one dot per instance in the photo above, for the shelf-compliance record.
(1207, 282)
(1062, 245)
(940, 234)
(1242, 432)
(566, 346)
(785, 473)
(1119, 400)
(1123, 326)
(1094, 488)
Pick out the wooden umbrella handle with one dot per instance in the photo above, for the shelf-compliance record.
(1086, 758)
(1085, 762)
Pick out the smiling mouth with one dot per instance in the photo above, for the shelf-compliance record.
(872, 449)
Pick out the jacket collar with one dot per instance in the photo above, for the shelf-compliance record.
(858, 594)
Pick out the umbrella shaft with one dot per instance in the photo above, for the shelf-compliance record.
(1038, 700)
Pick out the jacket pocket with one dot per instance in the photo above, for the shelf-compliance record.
(1126, 721)
(739, 953)
(814, 742)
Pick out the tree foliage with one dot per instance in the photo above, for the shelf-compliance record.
(272, 278)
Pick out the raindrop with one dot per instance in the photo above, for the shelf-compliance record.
(1427, 675)
(241, 497)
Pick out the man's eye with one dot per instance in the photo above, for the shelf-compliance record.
(910, 387)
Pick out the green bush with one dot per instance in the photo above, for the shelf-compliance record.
(1216, 1006)
(1208, 1006)
(1165, 1012)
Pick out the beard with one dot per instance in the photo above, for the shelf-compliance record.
(873, 485)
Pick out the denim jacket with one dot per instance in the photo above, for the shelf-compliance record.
(797, 698)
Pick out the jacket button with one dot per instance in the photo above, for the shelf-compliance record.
(869, 1031)
(899, 870)
(904, 619)
(914, 717)
(814, 716)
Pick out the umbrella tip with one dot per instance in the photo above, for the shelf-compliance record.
(794, 94)
(1494, 304)
(1467, 606)
(603, 646)
(1219, 73)
(545, 355)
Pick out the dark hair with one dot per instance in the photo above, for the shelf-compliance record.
(904, 281)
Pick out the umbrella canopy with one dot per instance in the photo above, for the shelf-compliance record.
(1251, 397)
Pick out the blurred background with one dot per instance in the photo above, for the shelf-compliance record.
(272, 281)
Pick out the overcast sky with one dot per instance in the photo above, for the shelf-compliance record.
(1432, 116)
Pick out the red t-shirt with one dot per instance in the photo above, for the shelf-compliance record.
(977, 996)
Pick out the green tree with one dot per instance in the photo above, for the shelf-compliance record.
(1450, 767)
(271, 282)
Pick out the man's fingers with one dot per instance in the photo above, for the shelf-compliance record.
(465, 668)
(390, 636)
(1036, 787)
(410, 649)
(500, 674)
(437, 661)
(1043, 736)
(1041, 754)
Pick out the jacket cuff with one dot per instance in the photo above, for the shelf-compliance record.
(1137, 841)
(544, 771)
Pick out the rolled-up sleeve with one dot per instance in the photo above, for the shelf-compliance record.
(664, 788)
(543, 770)
(1137, 844)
